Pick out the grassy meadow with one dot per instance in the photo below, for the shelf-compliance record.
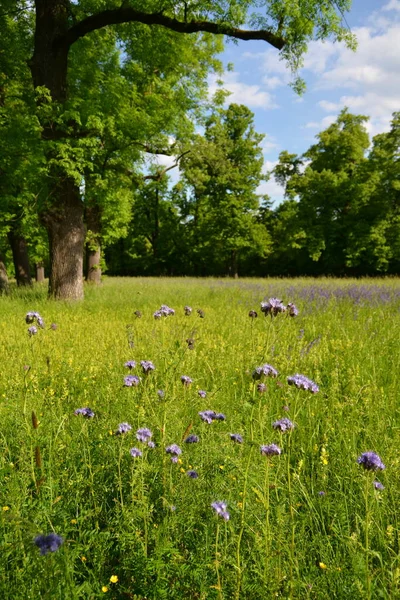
(308, 523)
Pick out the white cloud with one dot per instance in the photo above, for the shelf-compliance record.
(252, 96)
(269, 144)
(322, 124)
(392, 5)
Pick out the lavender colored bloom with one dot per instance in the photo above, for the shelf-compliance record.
(192, 474)
(174, 459)
(147, 366)
(265, 370)
(207, 416)
(160, 393)
(378, 485)
(143, 435)
(303, 383)
(220, 509)
(130, 364)
(31, 317)
(32, 330)
(166, 310)
(253, 314)
(86, 412)
(220, 417)
(131, 381)
(192, 439)
(151, 444)
(186, 380)
(371, 461)
(48, 543)
(173, 449)
(322, 493)
(40, 322)
(188, 310)
(261, 387)
(271, 450)
(273, 307)
(135, 452)
(283, 425)
(123, 428)
(202, 393)
(53, 326)
(236, 437)
(292, 310)
(157, 314)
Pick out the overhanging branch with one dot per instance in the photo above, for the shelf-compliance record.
(129, 15)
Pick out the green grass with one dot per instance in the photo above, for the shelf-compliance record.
(144, 520)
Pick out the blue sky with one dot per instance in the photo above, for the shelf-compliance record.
(367, 81)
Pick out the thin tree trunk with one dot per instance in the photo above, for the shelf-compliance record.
(3, 277)
(19, 249)
(93, 247)
(39, 272)
(93, 264)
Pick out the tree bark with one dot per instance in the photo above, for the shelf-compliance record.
(39, 272)
(93, 247)
(3, 277)
(19, 249)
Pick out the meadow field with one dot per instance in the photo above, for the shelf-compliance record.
(268, 493)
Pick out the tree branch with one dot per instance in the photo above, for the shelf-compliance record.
(127, 15)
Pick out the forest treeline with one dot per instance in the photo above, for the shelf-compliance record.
(90, 91)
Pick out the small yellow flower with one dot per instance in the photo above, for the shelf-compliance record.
(5, 508)
(322, 565)
(180, 461)
(182, 470)
(74, 521)
(240, 504)
(83, 558)
(221, 467)
(104, 589)
(114, 578)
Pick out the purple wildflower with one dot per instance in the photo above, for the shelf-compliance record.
(40, 322)
(192, 439)
(303, 383)
(130, 364)
(188, 310)
(131, 381)
(220, 509)
(271, 450)
(236, 437)
(147, 366)
(151, 444)
(321, 493)
(32, 330)
(86, 412)
(378, 485)
(207, 416)
(174, 459)
(186, 380)
(292, 310)
(202, 393)
(174, 450)
(265, 370)
(143, 435)
(273, 307)
(123, 428)
(135, 452)
(166, 310)
(283, 425)
(48, 543)
(192, 474)
(160, 393)
(371, 461)
(253, 314)
(220, 417)
(157, 314)
(31, 317)
(261, 387)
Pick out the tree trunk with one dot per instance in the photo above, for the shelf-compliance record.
(66, 231)
(63, 218)
(233, 267)
(39, 272)
(19, 249)
(93, 246)
(3, 277)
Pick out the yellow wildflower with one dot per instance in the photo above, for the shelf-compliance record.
(5, 508)
(74, 521)
(114, 578)
(322, 565)
(104, 589)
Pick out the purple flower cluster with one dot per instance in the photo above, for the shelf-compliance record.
(303, 383)
(131, 381)
(378, 485)
(32, 330)
(135, 452)
(210, 415)
(160, 393)
(192, 474)
(188, 310)
(261, 387)
(293, 311)
(371, 461)
(236, 437)
(186, 380)
(253, 314)
(202, 393)
(123, 428)
(33, 316)
(283, 425)
(86, 412)
(144, 435)
(220, 509)
(264, 371)
(175, 451)
(48, 543)
(270, 450)
(192, 439)
(163, 311)
(147, 366)
(273, 307)
(130, 364)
